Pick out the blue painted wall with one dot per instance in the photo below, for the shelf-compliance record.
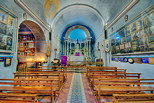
(147, 70)
(7, 72)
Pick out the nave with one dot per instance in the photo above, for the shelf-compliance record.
(76, 51)
(57, 85)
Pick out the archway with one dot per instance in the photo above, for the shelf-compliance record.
(77, 42)
(31, 45)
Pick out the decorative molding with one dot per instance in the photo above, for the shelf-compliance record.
(77, 27)
(128, 7)
(77, 4)
(30, 12)
(138, 53)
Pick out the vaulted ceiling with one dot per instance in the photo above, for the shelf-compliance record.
(60, 14)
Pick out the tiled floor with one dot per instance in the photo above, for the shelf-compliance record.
(64, 92)
(89, 95)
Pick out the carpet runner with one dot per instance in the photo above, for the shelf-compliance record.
(76, 90)
(76, 93)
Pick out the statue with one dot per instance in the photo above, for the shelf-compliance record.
(77, 50)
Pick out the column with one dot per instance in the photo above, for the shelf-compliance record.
(87, 48)
(66, 46)
(90, 48)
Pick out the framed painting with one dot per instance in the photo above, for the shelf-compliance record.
(7, 62)
(8, 25)
(135, 37)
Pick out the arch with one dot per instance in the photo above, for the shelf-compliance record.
(90, 33)
(35, 29)
(63, 10)
(77, 27)
(35, 48)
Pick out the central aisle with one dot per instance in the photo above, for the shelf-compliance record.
(76, 90)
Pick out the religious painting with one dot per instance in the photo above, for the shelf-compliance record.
(7, 62)
(113, 46)
(133, 27)
(151, 42)
(121, 59)
(21, 45)
(145, 22)
(9, 43)
(139, 24)
(136, 36)
(3, 17)
(145, 60)
(127, 28)
(10, 30)
(8, 23)
(151, 60)
(3, 28)
(137, 60)
(107, 48)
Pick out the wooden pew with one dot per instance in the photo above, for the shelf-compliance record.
(95, 68)
(103, 69)
(61, 70)
(133, 98)
(18, 98)
(40, 87)
(39, 90)
(17, 101)
(112, 86)
(95, 76)
(54, 75)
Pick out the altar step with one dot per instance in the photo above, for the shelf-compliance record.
(76, 70)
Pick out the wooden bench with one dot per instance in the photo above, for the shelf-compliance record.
(55, 76)
(112, 70)
(17, 101)
(112, 86)
(94, 77)
(133, 98)
(18, 97)
(90, 68)
(40, 87)
(61, 70)
(39, 90)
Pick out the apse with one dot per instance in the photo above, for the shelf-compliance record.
(77, 14)
(77, 34)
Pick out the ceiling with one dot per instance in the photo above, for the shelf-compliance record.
(92, 13)
(60, 14)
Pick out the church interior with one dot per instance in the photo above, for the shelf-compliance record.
(76, 51)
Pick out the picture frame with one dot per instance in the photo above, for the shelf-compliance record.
(7, 61)
(107, 47)
(8, 25)
(136, 36)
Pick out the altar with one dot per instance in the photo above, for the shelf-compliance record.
(77, 58)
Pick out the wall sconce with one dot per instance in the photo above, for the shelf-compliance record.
(25, 16)
(126, 18)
